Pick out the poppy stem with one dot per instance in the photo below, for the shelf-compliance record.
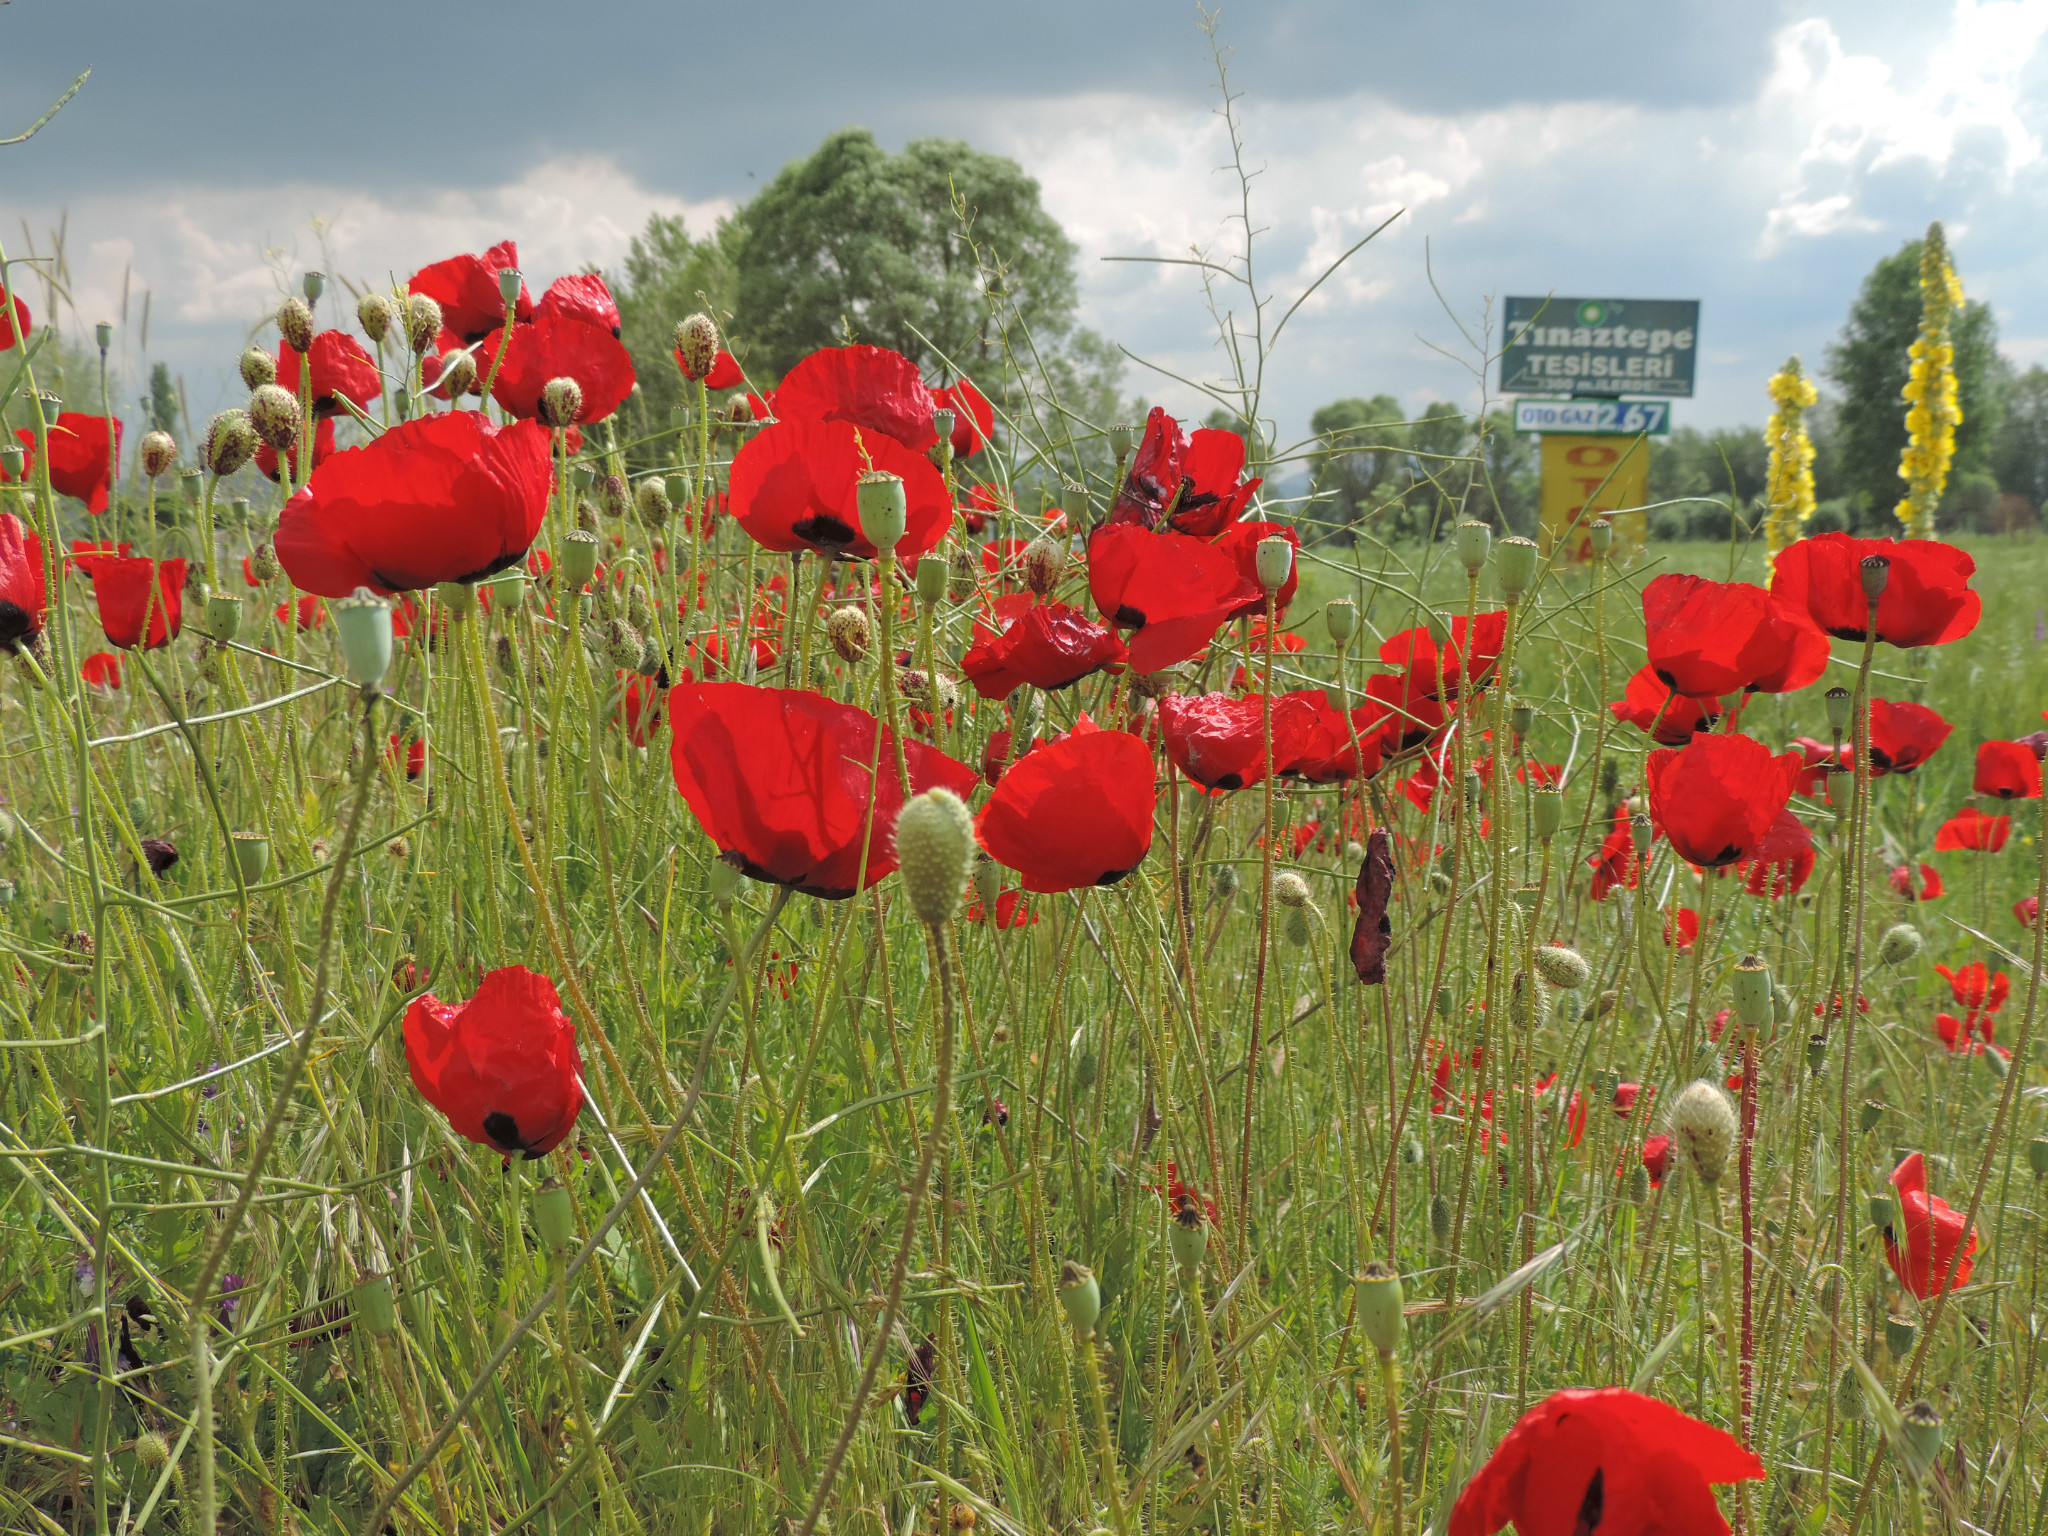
(1251, 1054)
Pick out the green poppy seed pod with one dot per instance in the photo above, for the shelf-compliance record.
(274, 413)
(884, 512)
(934, 851)
(152, 1449)
(1378, 1293)
(252, 855)
(1752, 987)
(376, 1306)
(1876, 572)
(1837, 700)
(651, 504)
(1340, 617)
(1515, 568)
(401, 403)
(11, 455)
(561, 402)
(103, 333)
(1703, 1129)
(1187, 1236)
(624, 645)
(1901, 942)
(1562, 967)
(932, 571)
(263, 562)
(312, 285)
(459, 598)
(1882, 1209)
(554, 1214)
(192, 480)
(374, 315)
(1640, 833)
(50, 405)
(1526, 896)
(509, 282)
(2037, 1156)
(724, 883)
(1121, 436)
(850, 633)
(1080, 1297)
(159, 452)
(1899, 1334)
(223, 616)
(1475, 787)
(422, 322)
(696, 344)
(295, 324)
(1816, 1052)
(988, 882)
(1638, 1184)
(1474, 542)
(1275, 563)
(1074, 502)
(1546, 812)
(1849, 1395)
(1446, 1001)
(1521, 716)
(577, 555)
(1868, 1116)
(1442, 1215)
(1289, 889)
(1600, 536)
(1045, 562)
(508, 592)
(1295, 927)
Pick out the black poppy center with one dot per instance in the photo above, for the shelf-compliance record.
(1593, 1505)
(1130, 618)
(15, 625)
(1229, 781)
(829, 533)
(1728, 855)
(504, 1132)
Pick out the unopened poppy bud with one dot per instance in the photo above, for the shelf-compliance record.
(1837, 700)
(1868, 1116)
(1275, 563)
(263, 562)
(373, 314)
(1546, 812)
(258, 368)
(1703, 1129)
(223, 616)
(884, 512)
(1901, 942)
(1882, 1209)
(988, 883)
(696, 344)
(942, 424)
(1640, 832)
(963, 1517)
(1340, 617)
(458, 375)
(401, 404)
(422, 322)
(509, 282)
(159, 452)
(586, 516)
(1474, 540)
(1289, 889)
(577, 556)
(1442, 1217)
(932, 572)
(1600, 536)
(613, 496)
(561, 402)
(1876, 571)
(1638, 1184)
(1045, 562)
(1849, 1395)
(1080, 1296)
(274, 413)
(554, 1214)
(1899, 1334)
(624, 645)
(962, 575)
(1562, 967)
(1378, 1293)
(1515, 568)
(295, 324)
(651, 503)
(934, 850)
(376, 1306)
(1752, 987)
(724, 883)
(850, 633)
(1121, 435)
(152, 1449)
(1223, 884)
(1188, 1235)
(2037, 1156)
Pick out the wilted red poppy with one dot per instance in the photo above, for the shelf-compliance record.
(466, 288)
(1783, 860)
(779, 779)
(1174, 591)
(794, 486)
(130, 589)
(1657, 1159)
(1683, 927)
(1073, 813)
(1718, 797)
(1441, 672)
(2028, 910)
(1926, 888)
(446, 497)
(340, 369)
(1191, 483)
(640, 700)
(1709, 638)
(1903, 735)
(2009, 770)
(1047, 645)
(1012, 911)
(80, 464)
(1933, 1235)
(1821, 759)
(557, 346)
(1606, 1461)
(581, 296)
(1241, 542)
(1927, 598)
(101, 670)
(503, 1067)
(14, 320)
(1219, 742)
(1344, 746)
(1411, 717)
(22, 588)
(871, 387)
(1650, 705)
(974, 419)
(1615, 863)
(1372, 932)
(266, 463)
(1972, 831)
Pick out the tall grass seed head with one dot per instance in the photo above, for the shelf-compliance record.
(934, 853)
(1703, 1129)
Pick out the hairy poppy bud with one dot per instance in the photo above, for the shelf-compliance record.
(935, 849)
(230, 443)
(577, 556)
(295, 324)
(1876, 571)
(988, 882)
(1562, 967)
(651, 503)
(724, 883)
(964, 1518)
(554, 1214)
(274, 413)
(586, 517)
(1752, 987)
(962, 575)
(561, 402)
(1122, 435)
(1289, 889)
(458, 375)
(1546, 812)
(1703, 1129)
(884, 511)
(696, 344)
(1223, 884)
(152, 1449)
(1474, 540)
(1045, 562)
(258, 368)
(1340, 617)
(1515, 569)
(422, 322)
(1638, 1184)
(624, 645)
(1275, 562)
(373, 314)
(1294, 926)
(1080, 1296)
(932, 571)
(1442, 1217)
(1378, 1294)
(1899, 1333)
(263, 562)
(850, 633)
(613, 497)
(1600, 536)
(159, 451)
(1849, 1395)
(1901, 942)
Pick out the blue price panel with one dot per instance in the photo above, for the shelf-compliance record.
(1596, 418)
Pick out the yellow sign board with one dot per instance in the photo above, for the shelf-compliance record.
(1588, 477)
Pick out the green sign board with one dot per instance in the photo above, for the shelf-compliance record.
(1606, 347)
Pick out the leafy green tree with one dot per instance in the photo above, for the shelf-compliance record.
(668, 275)
(1361, 446)
(2019, 454)
(1510, 484)
(1869, 365)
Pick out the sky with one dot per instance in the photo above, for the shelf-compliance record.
(1756, 155)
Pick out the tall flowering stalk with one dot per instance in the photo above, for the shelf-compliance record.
(1788, 487)
(1933, 411)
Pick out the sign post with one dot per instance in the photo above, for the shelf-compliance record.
(1586, 477)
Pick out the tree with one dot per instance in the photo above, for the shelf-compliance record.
(1869, 365)
(2019, 455)
(670, 275)
(1361, 445)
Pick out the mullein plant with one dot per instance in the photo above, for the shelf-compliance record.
(1933, 409)
(1788, 479)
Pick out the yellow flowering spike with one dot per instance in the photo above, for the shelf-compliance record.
(1932, 409)
(1788, 488)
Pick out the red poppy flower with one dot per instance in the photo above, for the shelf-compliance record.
(1441, 673)
(2009, 770)
(1933, 1234)
(871, 387)
(1241, 542)
(1219, 742)
(1542, 775)
(1174, 591)
(1073, 813)
(1605, 1460)
(974, 419)
(2028, 910)
(22, 590)
(101, 670)
(409, 753)
(1012, 911)
(130, 588)
(1709, 638)
(340, 369)
(1673, 719)
(1411, 717)
(1422, 785)
(983, 504)
(779, 779)
(1927, 598)
(1903, 735)
(794, 487)
(1718, 798)
(1684, 924)
(1342, 747)
(503, 1067)
(640, 700)
(556, 346)
(1783, 861)
(1971, 830)
(446, 497)
(80, 464)
(466, 288)
(310, 612)
(581, 296)
(1821, 760)
(1004, 556)
(15, 323)
(1926, 888)
(266, 462)
(1625, 1096)
(725, 373)
(1615, 863)
(1047, 645)
(1191, 483)
(1976, 985)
